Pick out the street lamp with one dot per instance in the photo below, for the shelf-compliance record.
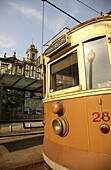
(90, 57)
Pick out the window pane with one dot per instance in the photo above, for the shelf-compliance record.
(27, 67)
(33, 56)
(38, 76)
(64, 73)
(32, 74)
(98, 71)
(27, 73)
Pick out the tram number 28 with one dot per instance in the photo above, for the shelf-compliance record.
(97, 117)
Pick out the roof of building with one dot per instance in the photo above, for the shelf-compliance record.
(14, 60)
(31, 48)
(16, 82)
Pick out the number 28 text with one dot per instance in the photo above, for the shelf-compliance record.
(97, 117)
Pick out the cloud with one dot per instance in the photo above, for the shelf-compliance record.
(27, 11)
(5, 42)
(52, 24)
(56, 24)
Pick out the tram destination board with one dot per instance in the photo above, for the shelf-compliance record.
(56, 45)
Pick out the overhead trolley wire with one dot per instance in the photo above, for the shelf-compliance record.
(89, 7)
(62, 11)
(46, 44)
(42, 27)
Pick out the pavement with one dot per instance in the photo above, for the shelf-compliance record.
(21, 150)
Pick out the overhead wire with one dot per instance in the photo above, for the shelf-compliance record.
(62, 11)
(89, 7)
(42, 26)
(46, 44)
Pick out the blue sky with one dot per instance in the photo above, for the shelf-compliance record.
(21, 21)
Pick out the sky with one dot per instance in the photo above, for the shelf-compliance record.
(21, 21)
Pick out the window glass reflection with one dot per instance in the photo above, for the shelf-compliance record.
(64, 73)
(98, 71)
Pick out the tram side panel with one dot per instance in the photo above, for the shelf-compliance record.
(85, 146)
(75, 114)
(84, 140)
(64, 150)
(99, 113)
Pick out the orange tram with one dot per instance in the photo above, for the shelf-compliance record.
(77, 97)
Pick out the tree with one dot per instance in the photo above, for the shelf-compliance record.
(12, 98)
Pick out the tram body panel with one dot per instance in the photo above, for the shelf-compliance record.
(78, 75)
(85, 117)
(71, 158)
(77, 124)
(99, 112)
(84, 142)
(89, 31)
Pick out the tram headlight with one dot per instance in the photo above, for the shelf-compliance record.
(60, 126)
(58, 108)
(57, 126)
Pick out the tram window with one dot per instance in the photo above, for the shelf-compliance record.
(64, 73)
(98, 71)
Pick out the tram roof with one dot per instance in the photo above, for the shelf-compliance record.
(64, 39)
(16, 82)
(103, 17)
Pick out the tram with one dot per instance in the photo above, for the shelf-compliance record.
(77, 97)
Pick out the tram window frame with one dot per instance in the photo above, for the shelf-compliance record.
(65, 90)
(44, 81)
(101, 84)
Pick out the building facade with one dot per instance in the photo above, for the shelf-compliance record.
(30, 68)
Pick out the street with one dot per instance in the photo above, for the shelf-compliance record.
(22, 151)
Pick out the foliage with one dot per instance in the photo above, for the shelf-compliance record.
(12, 98)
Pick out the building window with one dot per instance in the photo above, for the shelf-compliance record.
(4, 69)
(64, 73)
(32, 68)
(38, 70)
(20, 70)
(28, 56)
(38, 76)
(33, 56)
(38, 60)
(33, 74)
(26, 73)
(98, 72)
(27, 67)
